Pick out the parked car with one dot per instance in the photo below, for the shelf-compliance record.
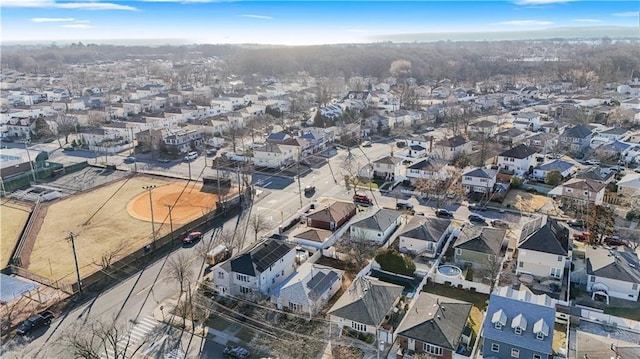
(577, 223)
(309, 189)
(34, 322)
(421, 214)
(474, 218)
(366, 144)
(498, 223)
(614, 241)
(235, 352)
(443, 213)
(592, 162)
(477, 207)
(66, 149)
(130, 159)
(190, 156)
(164, 160)
(212, 152)
(404, 206)
(401, 144)
(583, 237)
(192, 237)
(361, 198)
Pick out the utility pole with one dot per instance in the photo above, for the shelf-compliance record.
(133, 152)
(170, 220)
(189, 163)
(33, 171)
(299, 187)
(153, 226)
(75, 259)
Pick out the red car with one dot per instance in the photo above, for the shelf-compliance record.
(192, 237)
(584, 236)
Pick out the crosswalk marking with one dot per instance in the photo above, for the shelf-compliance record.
(131, 340)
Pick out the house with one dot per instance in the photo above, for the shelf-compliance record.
(596, 173)
(272, 155)
(629, 185)
(482, 129)
(435, 325)
(480, 180)
(576, 138)
(599, 346)
(580, 191)
(515, 328)
(480, 247)
(545, 252)
(417, 150)
(616, 150)
(527, 121)
(565, 168)
(388, 168)
(425, 236)
(151, 139)
(183, 140)
(511, 136)
(332, 217)
(366, 306)
(612, 272)
(449, 148)
(429, 168)
(314, 238)
(257, 271)
(20, 127)
(309, 289)
(277, 137)
(376, 227)
(614, 133)
(518, 160)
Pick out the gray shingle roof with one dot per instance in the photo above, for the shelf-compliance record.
(427, 164)
(551, 238)
(436, 320)
(453, 141)
(520, 151)
(260, 257)
(367, 301)
(481, 173)
(621, 265)
(577, 131)
(379, 221)
(428, 229)
(481, 239)
(555, 165)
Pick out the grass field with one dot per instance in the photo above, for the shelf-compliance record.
(101, 225)
(13, 217)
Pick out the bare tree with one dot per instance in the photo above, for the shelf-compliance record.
(350, 166)
(179, 270)
(96, 338)
(109, 256)
(443, 185)
(258, 223)
(65, 125)
(358, 249)
(229, 239)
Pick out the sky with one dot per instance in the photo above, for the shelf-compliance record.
(304, 22)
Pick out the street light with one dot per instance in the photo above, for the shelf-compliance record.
(153, 226)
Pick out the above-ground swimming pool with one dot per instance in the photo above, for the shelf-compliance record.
(449, 270)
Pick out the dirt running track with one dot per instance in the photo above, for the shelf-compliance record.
(114, 218)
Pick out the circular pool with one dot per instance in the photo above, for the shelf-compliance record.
(449, 270)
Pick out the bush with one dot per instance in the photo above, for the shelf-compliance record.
(631, 215)
(516, 182)
(392, 261)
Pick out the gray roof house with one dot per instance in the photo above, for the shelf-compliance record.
(376, 227)
(514, 328)
(613, 272)
(425, 236)
(366, 303)
(475, 244)
(544, 252)
(434, 325)
(565, 168)
(576, 138)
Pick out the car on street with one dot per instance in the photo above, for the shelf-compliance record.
(34, 322)
(614, 241)
(576, 223)
(404, 206)
(443, 213)
(498, 223)
(164, 160)
(361, 198)
(192, 237)
(309, 190)
(130, 159)
(477, 207)
(421, 214)
(474, 218)
(581, 236)
(366, 144)
(212, 152)
(235, 352)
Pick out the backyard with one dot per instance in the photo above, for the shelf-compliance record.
(13, 217)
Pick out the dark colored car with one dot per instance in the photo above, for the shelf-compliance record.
(192, 237)
(477, 207)
(164, 160)
(404, 206)
(499, 224)
(577, 223)
(130, 159)
(474, 218)
(235, 352)
(583, 237)
(614, 241)
(362, 199)
(34, 322)
(443, 213)
(212, 152)
(309, 189)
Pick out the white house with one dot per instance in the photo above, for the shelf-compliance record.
(581, 191)
(256, 272)
(565, 168)
(545, 252)
(451, 147)
(429, 168)
(629, 185)
(480, 180)
(517, 160)
(425, 236)
(527, 121)
(613, 272)
(389, 168)
(376, 227)
(309, 289)
(272, 155)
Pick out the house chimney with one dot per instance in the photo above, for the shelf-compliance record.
(431, 144)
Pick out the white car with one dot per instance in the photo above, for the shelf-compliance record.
(366, 144)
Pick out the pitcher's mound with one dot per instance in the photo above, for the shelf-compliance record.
(188, 203)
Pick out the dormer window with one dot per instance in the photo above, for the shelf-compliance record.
(499, 319)
(540, 336)
(541, 329)
(519, 324)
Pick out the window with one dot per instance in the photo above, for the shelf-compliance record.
(220, 275)
(540, 336)
(521, 264)
(295, 307)
(517, 330)
(498, 325)
(559, 258)
(556, 272)
(458, 251)
(634, 286)
(358, 326)
(495, 347)
(242, 278)
(245, 290)
(537, 356)
(515, 353)
(432, 349)
(592, 279)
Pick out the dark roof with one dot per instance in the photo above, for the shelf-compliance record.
(334, 213)
(367, 301)
(577, 131)
(453, 141)
(427, 229)
(260, 257)
(616, 264)
(585, 184)
(388, 160)
(427, 164)
(555, 165)
(552, 238)
(436, 320)
(314, 234)
(512, 132)
(520, 151)
(417, 148)
(481, 239)
(482, 173)
(320, 282)
(594, 173)
(615, 131)
(379, 221)
(484, 123)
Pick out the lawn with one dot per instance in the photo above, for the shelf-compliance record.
(477, 299)
(623, 312)
(217, 323)
(559, 337)
(246, 335)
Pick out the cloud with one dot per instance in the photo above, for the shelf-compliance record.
(78, 5)
(586, 20)
(541, 2)
(76, 26)
(262, 17)
(627, 14)
(358, 31)
(525, 23)
(52, 19)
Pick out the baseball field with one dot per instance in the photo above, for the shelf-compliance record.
(13, 217)
(111, 221)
